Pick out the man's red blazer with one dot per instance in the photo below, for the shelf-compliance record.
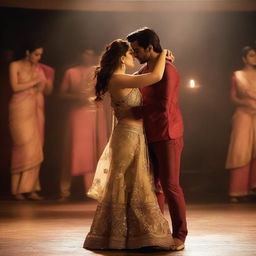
(160, 110)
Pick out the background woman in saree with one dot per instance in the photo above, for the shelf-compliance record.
(87, 127)
(29, 82)
(241, 160)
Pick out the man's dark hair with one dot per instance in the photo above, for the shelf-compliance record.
(145, 36)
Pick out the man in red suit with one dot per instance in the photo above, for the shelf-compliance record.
(164, 129)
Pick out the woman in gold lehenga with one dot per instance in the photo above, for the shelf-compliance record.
(26, 121)
(128, 215)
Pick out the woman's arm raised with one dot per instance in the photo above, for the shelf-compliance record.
(140, 81)
(16, 86)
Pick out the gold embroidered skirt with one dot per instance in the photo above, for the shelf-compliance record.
(128, 215)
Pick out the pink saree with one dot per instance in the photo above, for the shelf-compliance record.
(87, 123)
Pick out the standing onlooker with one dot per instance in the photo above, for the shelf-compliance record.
(87, 128)
(241, 160)
(26, 120)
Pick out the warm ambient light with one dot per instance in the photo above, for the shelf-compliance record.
(192, 83)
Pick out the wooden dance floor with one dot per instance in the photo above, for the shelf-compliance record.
(58, 229)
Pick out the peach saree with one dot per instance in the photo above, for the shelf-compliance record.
(26, 122)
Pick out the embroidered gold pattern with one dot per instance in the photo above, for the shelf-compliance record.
(128, 215)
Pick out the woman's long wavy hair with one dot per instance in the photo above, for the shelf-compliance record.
(110, 61)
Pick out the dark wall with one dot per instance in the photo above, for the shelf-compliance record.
(206, 46)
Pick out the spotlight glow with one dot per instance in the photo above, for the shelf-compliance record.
(192, 83)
